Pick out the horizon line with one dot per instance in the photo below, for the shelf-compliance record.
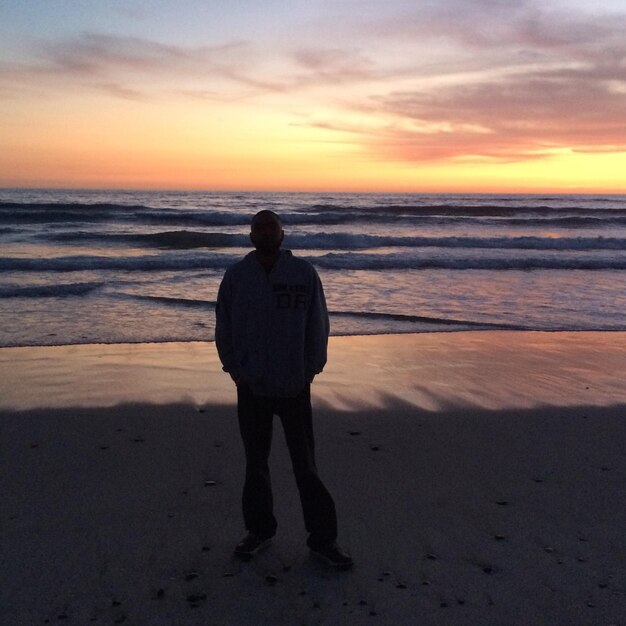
(557, 191)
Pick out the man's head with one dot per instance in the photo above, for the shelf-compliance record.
(266, 232)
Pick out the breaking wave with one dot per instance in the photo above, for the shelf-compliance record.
(322, 214)
(332, 261)
(184, 239)
(49, 291)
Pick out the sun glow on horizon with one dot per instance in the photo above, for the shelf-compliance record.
(461, 95)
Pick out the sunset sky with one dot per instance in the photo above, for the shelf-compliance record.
(384, 95)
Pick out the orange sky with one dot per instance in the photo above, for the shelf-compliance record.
(357, 96)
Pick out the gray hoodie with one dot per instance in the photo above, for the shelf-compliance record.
(272, 328)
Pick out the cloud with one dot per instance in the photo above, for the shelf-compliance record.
(96, 54)
(547, 80)
(495, 23)
(132, 67)
(439, 79)
(521, 117)
(120, 91)
(138, 68)
(334, 66)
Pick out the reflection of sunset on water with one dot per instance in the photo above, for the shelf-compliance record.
(494, 370)
(436, 372)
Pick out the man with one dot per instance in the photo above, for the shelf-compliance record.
(271, 336)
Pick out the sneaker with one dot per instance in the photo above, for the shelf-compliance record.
(334, 556)
(251, 544)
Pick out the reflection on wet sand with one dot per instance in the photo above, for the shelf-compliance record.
(489, 369)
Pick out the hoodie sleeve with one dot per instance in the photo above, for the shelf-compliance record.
(317, 330)
(223, 326)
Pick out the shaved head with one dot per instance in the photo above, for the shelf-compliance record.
(266, 232)
(266, 214)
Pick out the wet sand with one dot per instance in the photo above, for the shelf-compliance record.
(479, 479)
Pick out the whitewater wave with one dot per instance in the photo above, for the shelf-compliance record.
(138, 263)
(357, 261)
(185, 239)
(331, 261)
(15, 213)
(322, 214)
(49, 291)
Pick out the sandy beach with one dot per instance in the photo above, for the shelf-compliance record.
(479, 479)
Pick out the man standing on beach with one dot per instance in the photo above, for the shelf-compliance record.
(271, 336)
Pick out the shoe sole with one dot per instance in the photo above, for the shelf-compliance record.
(250, 553)
(325, 559)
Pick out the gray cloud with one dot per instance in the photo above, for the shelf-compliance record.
(334, 66)
(495, 23)
(95, 54)
(120, 91)
(125, 67)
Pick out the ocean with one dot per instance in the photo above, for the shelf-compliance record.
(84, 266)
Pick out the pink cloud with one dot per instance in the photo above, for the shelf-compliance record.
(523, 116)
(554, 86)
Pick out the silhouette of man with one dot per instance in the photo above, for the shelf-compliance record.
(271, 336)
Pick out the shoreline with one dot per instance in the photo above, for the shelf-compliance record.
(484, 328)
(427, 370)
(488, 328)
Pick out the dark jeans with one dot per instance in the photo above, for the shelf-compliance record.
(255, 422)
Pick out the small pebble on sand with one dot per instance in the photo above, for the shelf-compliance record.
(196, 597)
